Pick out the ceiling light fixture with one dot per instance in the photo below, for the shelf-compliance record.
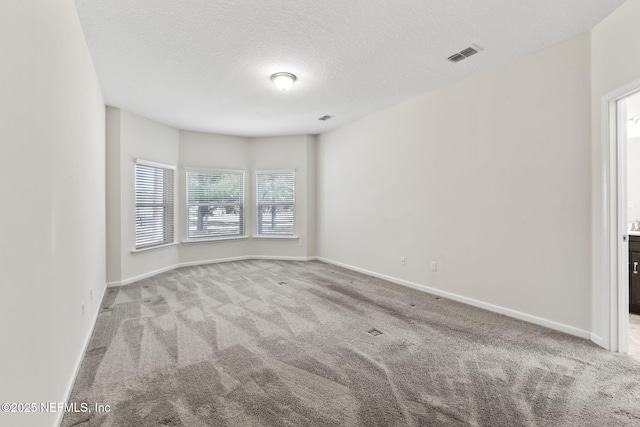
(283, 81)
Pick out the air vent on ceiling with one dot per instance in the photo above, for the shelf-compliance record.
(325, 117)
(456, 58)
(464, 53)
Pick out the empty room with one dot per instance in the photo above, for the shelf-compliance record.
(296, 213)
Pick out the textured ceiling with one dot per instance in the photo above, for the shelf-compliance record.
(204, 65)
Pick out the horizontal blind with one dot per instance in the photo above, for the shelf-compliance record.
(275, 191)
(154, 205)
(215, 204)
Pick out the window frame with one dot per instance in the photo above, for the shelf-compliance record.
(293, 234)
(242, 216)
(169, 217)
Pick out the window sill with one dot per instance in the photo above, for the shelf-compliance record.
(213, 239)
(294, 237)
(153, 248)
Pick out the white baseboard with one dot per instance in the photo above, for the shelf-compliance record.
(598, 340)
(211, 261)
(76, 371)
(284, 258)
(141, 276)
(476, 303)
(205, 262)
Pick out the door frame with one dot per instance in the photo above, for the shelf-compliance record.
(613, 283)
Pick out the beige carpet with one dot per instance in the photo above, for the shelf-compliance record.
(634, 336)
(269, 343)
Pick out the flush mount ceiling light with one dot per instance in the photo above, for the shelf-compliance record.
(283, 81)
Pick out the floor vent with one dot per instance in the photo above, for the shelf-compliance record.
(464, 53)
(375, 332)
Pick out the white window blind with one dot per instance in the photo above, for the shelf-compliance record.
(275, 191)
(215, 204)
(154, 205)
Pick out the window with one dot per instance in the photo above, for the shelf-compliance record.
(215, 204)
(154, 204)
(275, 192)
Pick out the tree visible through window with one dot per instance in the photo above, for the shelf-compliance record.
(275, 191)
(215, 204)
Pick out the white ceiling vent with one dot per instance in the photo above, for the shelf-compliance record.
(464, 53)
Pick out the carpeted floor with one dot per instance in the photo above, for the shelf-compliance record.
(634, 336)
(270, 343)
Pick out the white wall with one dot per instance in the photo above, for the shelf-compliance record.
(291, 152)
(633, 179)
(312, 196)
(53, 190)
(209, 151)
(132, 137)
(612, 67)
(489, 177)
(113, 194)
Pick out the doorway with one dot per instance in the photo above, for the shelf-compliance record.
(630, 113)
(617, 219)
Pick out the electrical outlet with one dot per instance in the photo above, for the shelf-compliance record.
(434, 266)
(403, 261)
